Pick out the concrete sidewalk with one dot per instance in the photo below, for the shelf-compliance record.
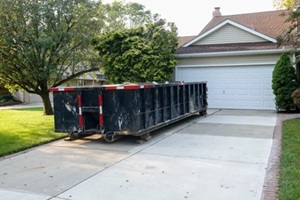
(222, 156)
(22, 105)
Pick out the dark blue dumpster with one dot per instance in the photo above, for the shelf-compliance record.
(130, 109)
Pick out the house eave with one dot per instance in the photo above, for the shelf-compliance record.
(233, 53)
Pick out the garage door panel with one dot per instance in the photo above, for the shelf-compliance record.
(268, 93)
(256, 81)
(268, 104)
(230, 92)
(256, 104)
(242, 104)
(242, 93)
(243, 81)
(216, 92)
(267, 80)
(247, 87)
(255, 92)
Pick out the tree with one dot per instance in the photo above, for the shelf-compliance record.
(291, 33)
(142, 54)
(284, 83)
(119, 15)
(285, 4)
(46, 43)
(296, 97)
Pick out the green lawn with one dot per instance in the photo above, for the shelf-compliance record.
(289, 180)
(21, 129)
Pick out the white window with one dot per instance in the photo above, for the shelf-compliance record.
(80, 83)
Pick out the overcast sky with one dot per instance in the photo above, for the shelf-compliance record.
(190, 16)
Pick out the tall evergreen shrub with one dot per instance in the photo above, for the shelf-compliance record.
(284, 83)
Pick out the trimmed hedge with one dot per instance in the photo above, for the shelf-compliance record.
(284, 82)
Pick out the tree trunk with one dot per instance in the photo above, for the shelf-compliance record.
(47, 103)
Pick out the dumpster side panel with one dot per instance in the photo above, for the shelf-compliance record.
(65, 111)
(149, 107)
(122, 110)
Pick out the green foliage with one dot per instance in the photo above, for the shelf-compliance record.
(284, 83)
(291, 32)
(285, 4)
(119, 15)
(296, 97)
(21, 129)
(142, 54)
(3, 90)
(289, 184)
(6, 98)
(5, 95)
(46, 43)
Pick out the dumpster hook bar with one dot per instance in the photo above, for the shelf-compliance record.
(80, 110)
(100, 102)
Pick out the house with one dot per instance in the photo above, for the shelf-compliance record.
(236, 55)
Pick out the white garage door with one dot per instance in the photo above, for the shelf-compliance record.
(242, 87)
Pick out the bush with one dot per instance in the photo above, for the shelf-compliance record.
(6, 98)
(3, 90)
(284, 83)
(296, 97)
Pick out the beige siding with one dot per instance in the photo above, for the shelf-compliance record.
(76, 82)
(229, 60)
(229, 34)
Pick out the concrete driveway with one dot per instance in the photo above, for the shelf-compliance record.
(222, 156)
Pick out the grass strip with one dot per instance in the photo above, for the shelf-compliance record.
(21, 129)
(289, 178)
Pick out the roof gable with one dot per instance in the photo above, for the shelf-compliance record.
(234, 28)
(270, 23)
(229, 34)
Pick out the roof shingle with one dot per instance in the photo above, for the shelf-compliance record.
(270, 23)
(184, 39)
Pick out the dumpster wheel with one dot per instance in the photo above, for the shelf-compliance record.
(73, 136)
(111, 137)
(203, 113)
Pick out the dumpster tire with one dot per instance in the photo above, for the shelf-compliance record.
(73, 136)
(111, 137)
(145, 136)
(203, 113)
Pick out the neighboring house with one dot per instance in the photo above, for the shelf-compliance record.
(236, 55)
(89, 79)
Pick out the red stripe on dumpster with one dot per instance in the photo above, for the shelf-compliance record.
(61, 89)
(68, 89)
(80, 110)
(100, 101)
(127, 87)
(53, 89)
(111, 88)
(131, 87)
